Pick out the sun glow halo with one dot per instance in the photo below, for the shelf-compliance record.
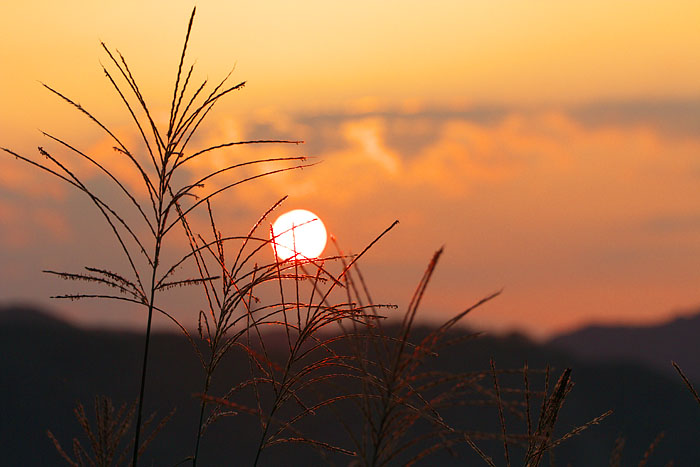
(298, 233)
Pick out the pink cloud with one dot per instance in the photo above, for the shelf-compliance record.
(559, 213)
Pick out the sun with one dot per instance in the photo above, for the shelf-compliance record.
(298, 233)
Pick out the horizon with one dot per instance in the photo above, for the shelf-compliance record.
(553, 151)
(80, 324)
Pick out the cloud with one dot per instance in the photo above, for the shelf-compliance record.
(675, 117)
(534, 201)
(25, 226)
(560, 212)
(670, 223)
(17, 177)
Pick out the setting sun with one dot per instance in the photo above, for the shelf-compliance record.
(298, 232)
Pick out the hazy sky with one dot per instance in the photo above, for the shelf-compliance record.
(552, 147)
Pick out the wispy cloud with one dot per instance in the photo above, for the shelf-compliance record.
(560, 211)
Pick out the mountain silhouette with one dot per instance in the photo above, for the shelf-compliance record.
(25, 315)
(48, 365)
(655, 346)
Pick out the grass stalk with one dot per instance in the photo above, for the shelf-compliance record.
(164, 201)
(144, 364)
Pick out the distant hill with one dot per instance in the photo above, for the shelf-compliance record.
(654, 346)
(47, 365)
(28, 315)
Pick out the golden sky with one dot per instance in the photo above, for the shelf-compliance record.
(552, 147)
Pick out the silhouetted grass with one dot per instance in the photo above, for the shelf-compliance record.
(336, 349)
(167, 204)
(107, 436)
(687, 382)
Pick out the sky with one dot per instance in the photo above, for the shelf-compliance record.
(552, 148)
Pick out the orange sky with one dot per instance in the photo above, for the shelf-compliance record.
(554, 150)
